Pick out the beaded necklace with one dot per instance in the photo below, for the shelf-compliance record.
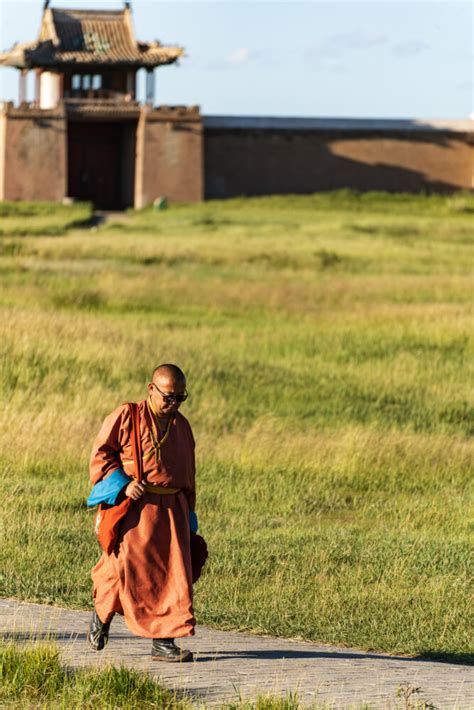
(157, 442)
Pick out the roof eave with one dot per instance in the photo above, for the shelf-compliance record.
(35, 55)
(48, 28)
(16, 55)
(22, 63)
(15, 62)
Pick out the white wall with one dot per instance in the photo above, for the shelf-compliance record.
(49, 90)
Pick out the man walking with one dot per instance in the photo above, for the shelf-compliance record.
(147, 577)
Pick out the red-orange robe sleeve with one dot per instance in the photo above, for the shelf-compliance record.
(114, 433)
(190, 491)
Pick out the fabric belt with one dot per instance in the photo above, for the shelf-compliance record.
(151, 488)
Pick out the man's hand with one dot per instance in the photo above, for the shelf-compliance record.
(135, 490)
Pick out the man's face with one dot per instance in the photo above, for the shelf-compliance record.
(162, 386)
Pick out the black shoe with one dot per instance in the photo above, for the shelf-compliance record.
(167, 650)
(98, 632)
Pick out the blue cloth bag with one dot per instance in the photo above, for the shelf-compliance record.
(109, 489)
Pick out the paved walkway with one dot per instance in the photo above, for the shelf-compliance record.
(232, 664)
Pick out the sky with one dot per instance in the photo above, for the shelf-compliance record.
(325, 58)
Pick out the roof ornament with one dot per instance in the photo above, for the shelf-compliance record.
(46, 5)
(127, 4)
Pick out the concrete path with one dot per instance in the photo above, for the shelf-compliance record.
(229, 665)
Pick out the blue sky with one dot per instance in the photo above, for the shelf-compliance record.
(380, 59)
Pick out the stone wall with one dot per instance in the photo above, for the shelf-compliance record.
(34, 152)
(169, 155)
(261, 156)
(180, 155)
(3, 136)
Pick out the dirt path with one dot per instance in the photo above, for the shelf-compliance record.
(229, 665)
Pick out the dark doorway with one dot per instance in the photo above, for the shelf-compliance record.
(101, 163)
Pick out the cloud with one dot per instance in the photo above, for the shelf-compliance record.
(337, 45)
(336, 68)
(410, 48)
(358, 39)
(464, 85)
(238, 57)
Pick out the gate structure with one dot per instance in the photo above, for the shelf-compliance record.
(84, 135)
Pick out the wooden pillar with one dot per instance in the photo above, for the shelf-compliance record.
(23, 78)
(37, 87)
(150, 87)
(147, 88)
(61, 87)
(130, 90)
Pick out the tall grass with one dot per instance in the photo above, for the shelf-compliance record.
(34, 677)
(328, 345)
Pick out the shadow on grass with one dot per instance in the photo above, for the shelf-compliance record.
(466, 659)
(96, 219)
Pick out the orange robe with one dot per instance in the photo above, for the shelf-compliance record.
(148, 577)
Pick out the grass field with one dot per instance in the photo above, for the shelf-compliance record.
(327, 341)
(39, 218)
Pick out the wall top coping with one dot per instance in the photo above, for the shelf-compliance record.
(100, 109)
(343, 124)
(26, 110)
(181, 109)
(172, 114)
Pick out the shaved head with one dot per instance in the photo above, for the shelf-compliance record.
(167, 390)
(172, 372)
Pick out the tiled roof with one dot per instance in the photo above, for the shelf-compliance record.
(290, 123)
(88, 37)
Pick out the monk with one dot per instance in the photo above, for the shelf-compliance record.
(148, 576)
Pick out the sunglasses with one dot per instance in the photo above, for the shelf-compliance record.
(168, 397)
